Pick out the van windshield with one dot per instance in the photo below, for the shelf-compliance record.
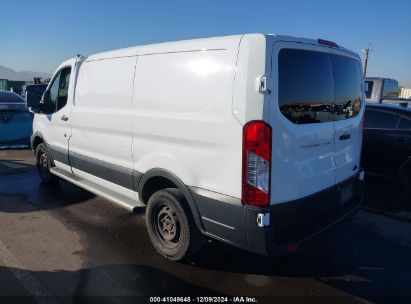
(318, 87)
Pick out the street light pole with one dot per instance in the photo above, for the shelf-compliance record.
(367, 53)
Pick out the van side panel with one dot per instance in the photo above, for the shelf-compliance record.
(183, 123)
(182, 119)
(100, 144)
(254, 61)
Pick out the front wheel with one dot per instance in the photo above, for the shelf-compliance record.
(43, 164)
(170, 225)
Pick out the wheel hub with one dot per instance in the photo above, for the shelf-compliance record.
(167, 223)
(43, 161)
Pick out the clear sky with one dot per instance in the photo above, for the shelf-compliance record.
(38, 35)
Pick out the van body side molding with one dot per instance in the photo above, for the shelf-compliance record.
(59, 154)
(113, 173)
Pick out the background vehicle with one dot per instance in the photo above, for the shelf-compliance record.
(382, 90)
(15, 120)
(227, 137)
(387, 142)
(32, 94)
(11, 85)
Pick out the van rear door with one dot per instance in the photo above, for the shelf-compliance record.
(316, 100)
(348, 100)
(301, 120)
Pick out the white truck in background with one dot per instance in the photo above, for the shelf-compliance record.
(383, 90)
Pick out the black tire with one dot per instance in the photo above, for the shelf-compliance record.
(43, 164)
(404, 174)
(171, 226)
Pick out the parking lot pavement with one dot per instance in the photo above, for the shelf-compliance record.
(65, 241)
(14, 161)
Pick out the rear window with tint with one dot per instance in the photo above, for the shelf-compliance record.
(318, 87)
(305, 86)
(347, 87)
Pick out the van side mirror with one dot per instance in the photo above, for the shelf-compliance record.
(36, 109)
(44, 103)
(41, 105)
(46, 97)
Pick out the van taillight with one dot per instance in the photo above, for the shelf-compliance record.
(256, 163)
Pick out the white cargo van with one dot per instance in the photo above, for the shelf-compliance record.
(253, 140)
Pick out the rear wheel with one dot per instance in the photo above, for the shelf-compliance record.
(43, 164)
(404, 174)
(170, 225)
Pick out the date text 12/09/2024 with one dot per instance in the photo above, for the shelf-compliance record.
(203, 300)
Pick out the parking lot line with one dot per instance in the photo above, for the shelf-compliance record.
(32, 286)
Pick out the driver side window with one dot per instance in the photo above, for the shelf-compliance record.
(50, 104)
(63, 88)
(58, 91)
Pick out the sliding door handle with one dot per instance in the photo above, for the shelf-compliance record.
(345, 136)
(64, 118)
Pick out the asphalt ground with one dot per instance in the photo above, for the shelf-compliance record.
(64, 245)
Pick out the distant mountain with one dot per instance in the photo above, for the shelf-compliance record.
(10, 74)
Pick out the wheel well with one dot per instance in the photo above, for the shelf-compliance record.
(38, 140)
(153, 185)
(158, 179)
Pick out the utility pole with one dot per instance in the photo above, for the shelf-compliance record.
(367, 54)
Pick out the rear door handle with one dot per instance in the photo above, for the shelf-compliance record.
(345, 136)
(64, 118)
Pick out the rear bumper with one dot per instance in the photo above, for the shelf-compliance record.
(293, 223)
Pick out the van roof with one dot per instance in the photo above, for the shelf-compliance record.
(220, 42)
